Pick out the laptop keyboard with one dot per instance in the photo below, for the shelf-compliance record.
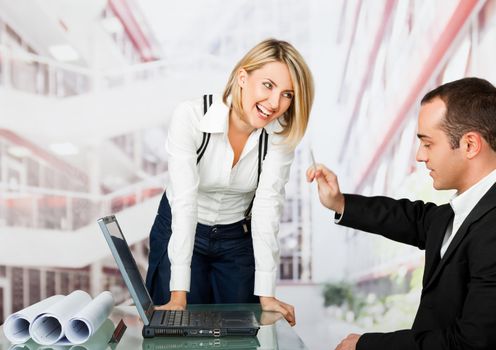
(185, 318)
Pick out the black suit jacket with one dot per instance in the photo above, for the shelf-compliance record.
(458, 304)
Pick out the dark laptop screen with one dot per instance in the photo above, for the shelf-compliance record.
(129, 265)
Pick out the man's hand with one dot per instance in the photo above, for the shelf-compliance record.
(349, 343)
(176, 302)
(272, 304)
(329, 193)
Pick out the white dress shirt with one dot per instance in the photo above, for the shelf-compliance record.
(463, 204)
(213, 192)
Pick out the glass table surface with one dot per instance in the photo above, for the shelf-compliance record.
(274, 334)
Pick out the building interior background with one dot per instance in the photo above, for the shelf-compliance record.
(86, 91)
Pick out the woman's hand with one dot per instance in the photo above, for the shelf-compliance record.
(176, 302)
(273, 304)
(268, 318)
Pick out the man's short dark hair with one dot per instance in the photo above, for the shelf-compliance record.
(470, 106)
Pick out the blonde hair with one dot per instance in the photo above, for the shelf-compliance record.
(272, 50)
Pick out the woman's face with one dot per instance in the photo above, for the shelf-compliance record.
(266, 93)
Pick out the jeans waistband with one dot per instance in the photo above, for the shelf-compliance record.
(235, 230)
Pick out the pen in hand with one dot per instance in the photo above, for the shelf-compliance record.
(314, 164)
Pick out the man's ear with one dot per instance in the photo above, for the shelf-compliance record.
(242, 76)
(471, 143)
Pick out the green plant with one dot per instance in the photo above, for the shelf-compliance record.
(337, 294)
(345, 296)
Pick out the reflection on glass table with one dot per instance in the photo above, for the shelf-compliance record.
(247, 343)
(274, 334)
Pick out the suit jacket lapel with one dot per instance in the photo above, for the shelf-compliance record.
(432, 255)
(487, 202)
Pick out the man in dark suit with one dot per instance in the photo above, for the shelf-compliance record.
(457, 132)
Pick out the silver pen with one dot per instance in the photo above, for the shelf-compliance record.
(314, 164)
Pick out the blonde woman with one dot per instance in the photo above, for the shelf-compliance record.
(214, 239)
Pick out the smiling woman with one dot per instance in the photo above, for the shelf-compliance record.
(214, 239)
(267, 93)
(281, 61)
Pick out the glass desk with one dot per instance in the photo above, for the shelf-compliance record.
(274, 334)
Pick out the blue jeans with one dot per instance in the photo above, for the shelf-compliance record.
(222, 266)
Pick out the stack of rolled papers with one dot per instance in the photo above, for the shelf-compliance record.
(61, 320)
(98, 341)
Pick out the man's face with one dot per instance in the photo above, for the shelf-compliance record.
(447, 166)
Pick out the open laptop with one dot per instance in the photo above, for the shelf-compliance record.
(170, 323)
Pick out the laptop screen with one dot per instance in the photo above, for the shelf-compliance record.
(127, 265)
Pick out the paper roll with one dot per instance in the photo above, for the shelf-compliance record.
(86, 322)
(16, 326)
(49, 327)
(99, 340)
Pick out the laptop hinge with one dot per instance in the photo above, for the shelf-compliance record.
(149, 315)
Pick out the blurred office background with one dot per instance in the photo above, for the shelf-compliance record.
(86, 92)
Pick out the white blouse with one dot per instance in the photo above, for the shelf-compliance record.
(213, 192)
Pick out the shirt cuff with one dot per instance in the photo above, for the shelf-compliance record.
(180, 278)
(338, 217)
(265, 284)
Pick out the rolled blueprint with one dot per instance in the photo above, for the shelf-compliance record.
(87, 321)
(49, 328)
(99, 340)
(16, 326)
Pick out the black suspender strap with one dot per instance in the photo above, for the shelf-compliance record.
(207, 102)
(262, 152)
(203, 147)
